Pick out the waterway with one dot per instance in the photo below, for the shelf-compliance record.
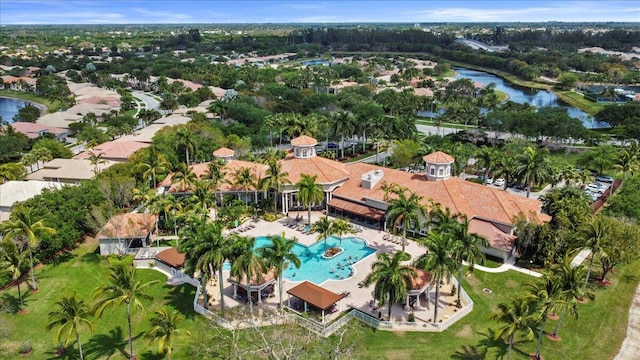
(524, 95)
(10, 107)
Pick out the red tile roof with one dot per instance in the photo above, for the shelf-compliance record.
(230, 168)
(223, 152)
(127, 226)
(304, 140)
(315, 295)
(496, 237)
(33, 130)
(459, 196)
(171, 257)
(114, 150)
(439, 157)
(327, 171)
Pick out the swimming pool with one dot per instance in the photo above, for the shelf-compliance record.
(314, 267)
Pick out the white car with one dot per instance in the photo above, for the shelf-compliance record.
(594, 189)
(489, 181)
(499, 182)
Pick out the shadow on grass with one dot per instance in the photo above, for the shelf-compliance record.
(106, 345)
(10, 302)
(480, 350)
(181, 299)
(93, 257)
(469, 352)
(61, 258)
(148, 355)
(70, 352)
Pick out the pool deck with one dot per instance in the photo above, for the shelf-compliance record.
(360, 297)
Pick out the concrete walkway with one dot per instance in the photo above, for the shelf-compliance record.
(508, 265)
(631, 345)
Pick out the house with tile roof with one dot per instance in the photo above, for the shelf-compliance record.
(126, 233)
(119, 151)
(34, 130)
(356, 191)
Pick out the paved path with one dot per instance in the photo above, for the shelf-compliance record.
(630, 348)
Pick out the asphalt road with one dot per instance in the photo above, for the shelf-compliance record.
(149, 102)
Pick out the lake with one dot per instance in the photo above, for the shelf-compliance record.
(10, 107)
(526, 95)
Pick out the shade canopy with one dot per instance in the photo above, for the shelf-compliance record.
(315, 295)
(357, 209)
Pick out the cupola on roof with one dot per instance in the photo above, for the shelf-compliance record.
(223, 152)
(438, 157)
(304, 140)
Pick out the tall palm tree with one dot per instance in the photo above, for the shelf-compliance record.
(185, 139)
(517, 315)
(533, 166)
(184, 177)
(96, 160)
(548, 295)
(506, 167)
(154, 164)
(71, 314)
(164, 327)
(467, 249)
(438, 261)
(247, 265)
(627, 160)
(404, 211)
(276, 179)
(391, 277)
(23, 228)
(13, 259)
(202, 198)
(594, 235)
(341, 227)
(217, 174)
(277, 255)
(571, 279)
(309, 192)
(323, 228)
(343, 124)
(123, 287)
(205, 250)
(487, 156)
(245, 179)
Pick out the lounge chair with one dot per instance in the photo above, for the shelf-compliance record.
(385, 237)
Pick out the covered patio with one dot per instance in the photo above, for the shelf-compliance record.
(366, 215)
(263, 286)
(314, 295)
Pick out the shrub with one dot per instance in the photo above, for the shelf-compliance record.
(270, 217)
(411, 317)
(25, 347)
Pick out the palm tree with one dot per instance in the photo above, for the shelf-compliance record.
(185, 139)
(438, 261)
(309, 192)
(343, 124)
(96, 160)
(594, 235)
(467, 249)
(13, 260)
(487, 156)
(244, 179)
(391, 277)
(202, 198)
(217, 174)
(627, 160)
(404, 210)
(71, 314)
(184, 177)
(164, 325)
(324, 228)
(122, 288)
(571, 279)
(22, 228)
(506, 167)
(517, 315)
(278, 255)
(247, 265)
(548, 296)
(205, 250)
(341, 227)
(533, 166)
(156, 163)
(276, 179)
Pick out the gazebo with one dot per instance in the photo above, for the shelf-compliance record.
(257, 284)
(419, 284)
(315, 295)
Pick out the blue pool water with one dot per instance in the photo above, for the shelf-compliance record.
(316, 269)
(314, 62)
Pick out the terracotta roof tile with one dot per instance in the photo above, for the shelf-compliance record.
(496, 237)
(315, 295)
(304, 140)
(327, 171)
(171, 257)
(439, 157)
(114, 150)
(129, 225)
(223, 152)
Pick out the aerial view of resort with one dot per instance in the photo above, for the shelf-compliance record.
(319, 179)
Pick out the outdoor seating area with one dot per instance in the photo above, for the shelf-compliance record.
(394, 239)
(294, 224)
(242, 228)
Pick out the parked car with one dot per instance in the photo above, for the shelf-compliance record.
(499, 182)
(604, 178)
(521, 187)
(594, 189)
(600, 186)
(332, 145)
(489, 181)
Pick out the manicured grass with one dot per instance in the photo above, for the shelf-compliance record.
(577, 100)
(28, 96)
(81, 272)
(597, 334)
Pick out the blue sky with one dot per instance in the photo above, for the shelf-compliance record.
(310, 11)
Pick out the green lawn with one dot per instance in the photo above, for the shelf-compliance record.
(577, 100)
(82, 271)
(597, 334)
(51, 107)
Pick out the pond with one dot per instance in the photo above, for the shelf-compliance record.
(10, 107)
(524, 95)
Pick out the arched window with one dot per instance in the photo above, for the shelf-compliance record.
(432, 170)
(440, 171)
(297, 152)
(304, 153)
